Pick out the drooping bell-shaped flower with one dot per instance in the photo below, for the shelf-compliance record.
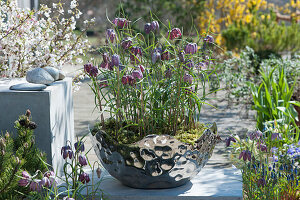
(105, 57)
(110, 35)
(87, 67)
(120, 22)
(45, 182)
(189, 64)
(181, 56)
(115, 59)
(79, 146)
(137, 74)
(35, 185)
(25, 174)
(209, 39)
(131, 80)
(94, 71)
(84, 177)
(142, 68)
(191, 48)
(154, 26)
(124, 80)
(165, 55)
(155, 57)
(82, 160)
(98, 171)
(246, 155)
(147, 28)
(23, 182)
(174, 33)
(188, 78)
(126, 43)
(228, 140)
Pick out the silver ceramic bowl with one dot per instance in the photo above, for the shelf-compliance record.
(157, 161)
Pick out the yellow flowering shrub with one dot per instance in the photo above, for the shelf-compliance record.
(219, 15)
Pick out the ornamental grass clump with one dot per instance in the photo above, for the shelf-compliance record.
(151, 82)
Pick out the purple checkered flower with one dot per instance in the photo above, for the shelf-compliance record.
(115, 59)
(154, 26)
(191, 48)
(228, 140)
(137, 74)
(246, 155)
(120, 22)
(110, 35)
(147, 28)
(174, 33)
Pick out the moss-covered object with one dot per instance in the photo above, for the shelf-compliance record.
(18, 154)
(129, 134)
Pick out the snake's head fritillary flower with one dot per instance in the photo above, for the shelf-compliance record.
(84, 177)
(188, 78)
(155, 57)
(79, 146)
(98, 171)
(147, 28)
(191, 48)
(209, 39)
(165, 55)
(25, 174)
(87, 68)
(124, 80)
(262, 147)
(255, 135)
(120, 22)
(94, 71)
(142, 68)
(45, 182)
(228, 140)
(246, 155)
(154, 26)
(189, 64)
(82, 160)
(115, 59)
(137, 74)
(174, 33)
(110, 35)
(105, 57)
(23, 182)
(131, 80)
(181, 56)
(35, 185)
(126, 43)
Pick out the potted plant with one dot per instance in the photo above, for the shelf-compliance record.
(153, 87)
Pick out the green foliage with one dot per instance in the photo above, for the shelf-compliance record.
(272, 172)
(18, 154)
(263, 34)
(272, 98)
(181, 12)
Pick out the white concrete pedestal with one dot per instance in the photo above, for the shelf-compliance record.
(51, 109)
(209, 184)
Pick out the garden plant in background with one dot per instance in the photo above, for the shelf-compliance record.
(238, 72)
(30, 39)
(18, 153)
(76, 182)
(252, 23)
(269, 164)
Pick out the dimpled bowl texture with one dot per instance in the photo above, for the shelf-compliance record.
(156, 161)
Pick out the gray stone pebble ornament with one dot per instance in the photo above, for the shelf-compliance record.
(39, 76)
(28, 87)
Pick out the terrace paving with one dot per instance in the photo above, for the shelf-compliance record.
(229, 120)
